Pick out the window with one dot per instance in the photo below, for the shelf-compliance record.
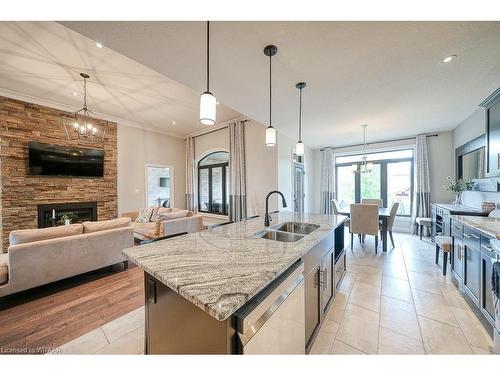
(159, 181)
(390, 180)
(213, 183)
(345, 185)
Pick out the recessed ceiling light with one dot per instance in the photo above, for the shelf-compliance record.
(450, 58)
(173, 122)
(74, 93)
(98, 45)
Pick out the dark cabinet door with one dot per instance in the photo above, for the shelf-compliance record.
(340, 270)
(493, 139)
(486, 297)
(312, 302)
(327, 288)
(446, 224)
(472, 271)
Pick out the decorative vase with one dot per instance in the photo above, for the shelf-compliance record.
(67, 221)
(458, 199)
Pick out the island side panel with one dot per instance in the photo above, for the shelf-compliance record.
(176, 326)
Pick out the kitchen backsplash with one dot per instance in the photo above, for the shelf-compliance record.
(474, 199)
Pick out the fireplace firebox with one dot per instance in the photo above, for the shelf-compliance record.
(51, 215)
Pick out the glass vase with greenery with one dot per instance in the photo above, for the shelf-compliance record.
(457, 187)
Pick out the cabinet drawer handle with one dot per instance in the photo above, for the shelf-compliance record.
(320, 279)
(487, 247)
(474, 236)
(325, 281)
(466, 235)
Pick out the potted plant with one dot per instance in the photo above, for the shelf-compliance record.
(457, 187)
(65, 218)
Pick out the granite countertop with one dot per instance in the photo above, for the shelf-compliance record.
(453, 208)
(487, 225)
(220, 269)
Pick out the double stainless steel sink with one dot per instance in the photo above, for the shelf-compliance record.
(289, 231)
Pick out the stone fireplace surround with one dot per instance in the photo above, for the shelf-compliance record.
(21, 193)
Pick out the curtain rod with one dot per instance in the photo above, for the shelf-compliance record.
(375, 143)
(221, 126)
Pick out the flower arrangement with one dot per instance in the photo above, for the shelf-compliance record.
(457, 187)
(65, 219)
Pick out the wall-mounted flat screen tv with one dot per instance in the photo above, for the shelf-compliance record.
(55, 160)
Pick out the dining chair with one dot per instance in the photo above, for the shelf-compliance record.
(378, 202)
(390, 220)
(335, 209)
(364, 220)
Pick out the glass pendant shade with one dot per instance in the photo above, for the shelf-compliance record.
(369, 167)
(208, 105)
(270, 136)
(299, 148)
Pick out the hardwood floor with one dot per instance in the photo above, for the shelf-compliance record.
(44, 318)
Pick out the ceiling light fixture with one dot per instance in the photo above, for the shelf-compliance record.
(173, 122)
(365, 167)
(270, 51)
(448, 59)
(75, 94)
(207, 100)
(83, 125)
(299, 147)
(98, 44)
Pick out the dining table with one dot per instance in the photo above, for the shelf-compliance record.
(383, 214)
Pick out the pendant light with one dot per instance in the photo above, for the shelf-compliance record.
(208, 103)
(299, 147)
(365, 167)
(84, 125)
(270, 51)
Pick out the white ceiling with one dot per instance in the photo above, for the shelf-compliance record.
(386, 74)
(43, 60)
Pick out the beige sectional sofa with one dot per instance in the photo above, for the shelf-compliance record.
(40, 256)
(165, 221)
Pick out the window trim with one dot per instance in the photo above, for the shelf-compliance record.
(383, 178)
(146, 182)
(225, 203)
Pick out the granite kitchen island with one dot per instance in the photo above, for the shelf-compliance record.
(197, 284)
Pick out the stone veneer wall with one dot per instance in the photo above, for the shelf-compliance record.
(21, 193)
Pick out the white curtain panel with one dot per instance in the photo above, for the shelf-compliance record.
(421, 195)
(327, 187)
(191, 198)
(237, 172)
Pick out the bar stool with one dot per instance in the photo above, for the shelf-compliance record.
(423, 222)
(443, 243)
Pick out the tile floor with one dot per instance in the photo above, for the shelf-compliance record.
(399, 303)
(391, 303)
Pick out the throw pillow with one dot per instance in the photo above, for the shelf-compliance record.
(159, 211)
(154, 214)
(174, 215)
(144, 215)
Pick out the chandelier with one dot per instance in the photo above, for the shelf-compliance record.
(365, 167)
(83, 125)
